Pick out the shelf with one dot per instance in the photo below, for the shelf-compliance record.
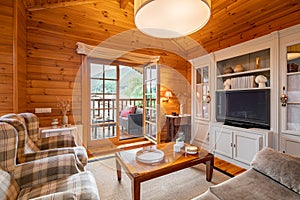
(292, 73)
(293, 102)
(244, 73)
(240, 89)
(290, 132)
(203, 83)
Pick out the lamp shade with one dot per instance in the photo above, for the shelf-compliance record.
(168, 94)
(171, 18)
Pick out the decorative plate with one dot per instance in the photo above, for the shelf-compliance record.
(150, 156)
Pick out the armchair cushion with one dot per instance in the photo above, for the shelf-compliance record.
(9, 189)
(82, 185)
(40, 171)
(57, 196)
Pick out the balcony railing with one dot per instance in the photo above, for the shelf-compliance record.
(104, 115)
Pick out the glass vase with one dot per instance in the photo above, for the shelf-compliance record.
(65, 120)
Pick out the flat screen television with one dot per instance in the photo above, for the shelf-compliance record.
(244, 108)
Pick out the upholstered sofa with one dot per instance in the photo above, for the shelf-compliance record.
(131, 121)
(272, 176)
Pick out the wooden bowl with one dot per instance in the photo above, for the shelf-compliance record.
(292, 67)
(238, 68)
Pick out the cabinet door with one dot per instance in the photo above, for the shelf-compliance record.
(202, 93)
(201, 131)
(223, 141)
(290, 145)
(246, 145)
(290, 127)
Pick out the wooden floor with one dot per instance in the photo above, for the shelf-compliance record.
(227, 168)
(220, 165)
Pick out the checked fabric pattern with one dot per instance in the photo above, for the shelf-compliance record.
(55, 177)
(28, 150)
(32, 126)
(80, 186)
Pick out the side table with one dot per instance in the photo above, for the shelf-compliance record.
(45, 132)
(177, 124)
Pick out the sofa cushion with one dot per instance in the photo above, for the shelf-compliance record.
(281, 167)
(208, 195)
(139, 111)
(127, 111)
(252, 185)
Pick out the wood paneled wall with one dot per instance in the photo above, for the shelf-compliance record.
(52, 62)
(12, 57)
(6, 56)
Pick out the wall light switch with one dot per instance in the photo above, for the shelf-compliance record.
(38, 110)
(43, 110)
(46, 110)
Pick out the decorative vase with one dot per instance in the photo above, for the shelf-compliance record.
(64, 120)
(181, 109)
(257, 63)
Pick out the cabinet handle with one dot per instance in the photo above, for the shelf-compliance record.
(231, 144)
(234, 145)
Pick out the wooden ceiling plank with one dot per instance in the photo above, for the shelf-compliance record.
(69, 24)
(240, 20)
(228, 27)
(51, 5)
(123, 3)
(87, 14)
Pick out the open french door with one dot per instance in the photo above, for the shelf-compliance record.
(151, 98)
(102, 103)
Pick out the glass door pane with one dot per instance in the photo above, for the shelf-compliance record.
(131, 103)
(103, 96)
(151, 94)
(293, 88)
(202, 93)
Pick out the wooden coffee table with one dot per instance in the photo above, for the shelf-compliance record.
(173, 161)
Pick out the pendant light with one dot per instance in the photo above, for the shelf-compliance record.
(171, 18)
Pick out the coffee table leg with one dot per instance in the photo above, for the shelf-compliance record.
(209, 167)
(136, 190)
(118, 170)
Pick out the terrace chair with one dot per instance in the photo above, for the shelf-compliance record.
(52, 146)
(131, 121)
(55, 177)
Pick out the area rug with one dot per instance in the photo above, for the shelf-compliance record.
(180, 185)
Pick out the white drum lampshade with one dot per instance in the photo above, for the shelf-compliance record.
(171, 18)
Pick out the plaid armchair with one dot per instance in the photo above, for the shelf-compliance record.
(28, 150)
(56, 177)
